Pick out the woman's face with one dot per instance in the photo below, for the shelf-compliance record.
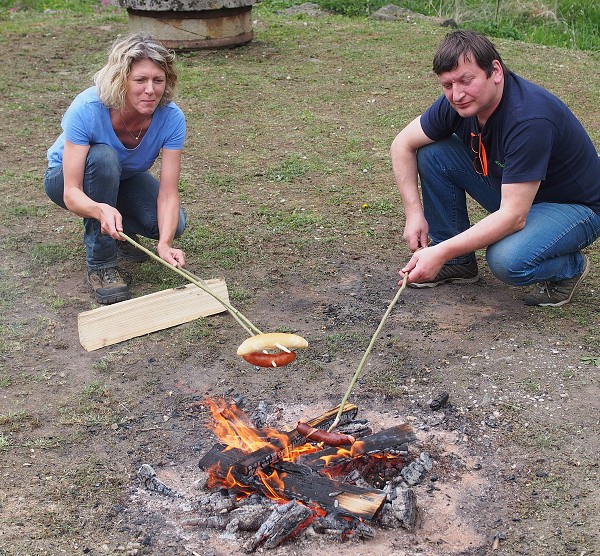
(145, 87)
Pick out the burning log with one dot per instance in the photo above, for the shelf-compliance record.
(267, 455)
(292, 482)
(274, 449)
(336, 462)
(383, 441)
(284, 522)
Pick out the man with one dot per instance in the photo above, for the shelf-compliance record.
(521, 154)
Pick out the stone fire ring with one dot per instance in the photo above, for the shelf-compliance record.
(192, 24)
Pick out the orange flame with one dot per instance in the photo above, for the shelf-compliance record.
(356, 450)
(234, 429)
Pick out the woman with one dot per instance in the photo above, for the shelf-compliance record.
(112, 134)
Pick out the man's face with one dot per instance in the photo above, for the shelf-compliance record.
(470, 91)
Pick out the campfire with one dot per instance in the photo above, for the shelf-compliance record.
(279, 483)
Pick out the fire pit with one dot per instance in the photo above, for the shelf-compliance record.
(275, 484)
(398, 496)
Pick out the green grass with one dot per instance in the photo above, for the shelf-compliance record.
(17, 420)
(78, 6)
(51, 253)
(4, 442)
(565, 23)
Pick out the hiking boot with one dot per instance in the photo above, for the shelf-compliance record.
(555, 294)
(453, 273)
(108, 285)
(131, 253)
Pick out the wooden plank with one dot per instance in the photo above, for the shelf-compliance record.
(135, 317)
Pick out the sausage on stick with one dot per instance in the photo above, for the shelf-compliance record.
(321, 436)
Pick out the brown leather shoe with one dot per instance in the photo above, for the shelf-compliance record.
(108, 285)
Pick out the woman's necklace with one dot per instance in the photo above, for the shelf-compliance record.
(136, 137)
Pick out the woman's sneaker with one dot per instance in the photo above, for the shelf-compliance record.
(108, 285)
(555, 294)
(453, 273)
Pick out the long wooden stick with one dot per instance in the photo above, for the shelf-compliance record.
(237, 315)
(368, 351)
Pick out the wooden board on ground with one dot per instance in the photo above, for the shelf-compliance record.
(135, 317)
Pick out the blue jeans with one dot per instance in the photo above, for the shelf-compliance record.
(548, 248)
(135, 198)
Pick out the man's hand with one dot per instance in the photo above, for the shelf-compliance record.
(424, 265)
(416, 232)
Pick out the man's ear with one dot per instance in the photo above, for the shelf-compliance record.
(498, 74)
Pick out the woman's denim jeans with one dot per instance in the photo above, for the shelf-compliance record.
(135, 198)
(548, 248)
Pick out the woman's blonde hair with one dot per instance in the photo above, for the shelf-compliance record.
(111, 80)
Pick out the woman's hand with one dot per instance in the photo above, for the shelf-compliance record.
(173, 256)
(111, 221)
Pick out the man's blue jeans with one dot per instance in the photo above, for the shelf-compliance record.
(135, 198)
(548, 248)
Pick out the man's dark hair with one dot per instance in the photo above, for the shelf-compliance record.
(468, 45)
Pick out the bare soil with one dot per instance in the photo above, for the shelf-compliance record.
(516, 450)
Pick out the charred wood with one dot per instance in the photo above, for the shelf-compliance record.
(332, 524)
(284, 522)
(357, 428)
(267, 455)
(150, 481)
(331, 495)
(259, 416)
(217, 502)
(401, 511)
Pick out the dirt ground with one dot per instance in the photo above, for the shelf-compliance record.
(515, 451)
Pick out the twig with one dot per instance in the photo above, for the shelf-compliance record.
(239, 317)
(367, 352)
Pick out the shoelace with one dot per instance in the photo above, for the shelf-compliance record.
(110, 275)
(545, 288)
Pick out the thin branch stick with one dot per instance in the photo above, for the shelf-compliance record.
(239, 317)
(367, 352)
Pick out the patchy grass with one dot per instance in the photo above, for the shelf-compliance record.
(288, 188)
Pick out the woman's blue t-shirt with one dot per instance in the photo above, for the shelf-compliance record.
(531, 136)
(87, 122)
